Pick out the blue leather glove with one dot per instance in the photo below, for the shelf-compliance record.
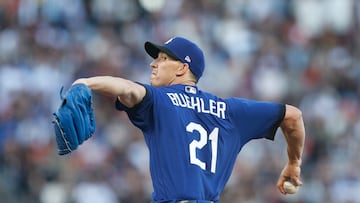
(74, 122)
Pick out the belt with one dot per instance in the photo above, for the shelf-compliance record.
(194, 201)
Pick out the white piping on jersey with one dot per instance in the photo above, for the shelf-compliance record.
(196, 103)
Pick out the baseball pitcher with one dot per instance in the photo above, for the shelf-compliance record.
(193, 136)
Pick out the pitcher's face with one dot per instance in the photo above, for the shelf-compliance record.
(164, 70)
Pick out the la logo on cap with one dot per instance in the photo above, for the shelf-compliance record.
(188, 59)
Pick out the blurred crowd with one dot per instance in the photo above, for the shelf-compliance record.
(302, 52)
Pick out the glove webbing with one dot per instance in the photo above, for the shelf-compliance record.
(68, 150)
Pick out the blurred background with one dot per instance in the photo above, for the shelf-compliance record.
(302, 52)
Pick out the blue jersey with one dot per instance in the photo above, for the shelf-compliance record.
(194, 138)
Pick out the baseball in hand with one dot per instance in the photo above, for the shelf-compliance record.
(289, 187)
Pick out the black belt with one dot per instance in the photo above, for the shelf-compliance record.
(194, 201)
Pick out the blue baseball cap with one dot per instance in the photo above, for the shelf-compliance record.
(180, 49)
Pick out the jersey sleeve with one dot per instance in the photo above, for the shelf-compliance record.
(256, 119)
(141, 115)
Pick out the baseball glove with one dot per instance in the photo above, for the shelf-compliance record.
(74, 122)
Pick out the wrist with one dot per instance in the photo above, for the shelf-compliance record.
(295, 162)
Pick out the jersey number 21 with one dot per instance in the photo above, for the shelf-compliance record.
(199, 144)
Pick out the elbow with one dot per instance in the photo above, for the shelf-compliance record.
(127, 98)
(293, 113)
(132, 94)
(298, 116)
(293, 119)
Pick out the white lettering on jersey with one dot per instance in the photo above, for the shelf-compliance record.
(196, 103)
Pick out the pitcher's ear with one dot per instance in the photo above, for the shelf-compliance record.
(183, 68)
